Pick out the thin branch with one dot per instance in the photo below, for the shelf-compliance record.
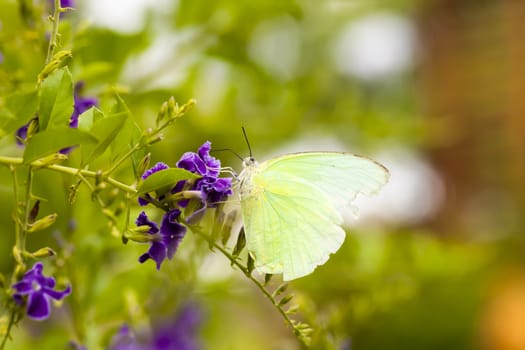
(260, 286)
(54, 31)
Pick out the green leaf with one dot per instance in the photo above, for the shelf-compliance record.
(165, 178)
(51, 141)
(19, 108)
(23, 104)
(106, 130)
(130, 133)
(56, 100)
(88, 118)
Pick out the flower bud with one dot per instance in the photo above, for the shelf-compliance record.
(140, 237)
(144, 164)
(286, 300)
(34, 212)
(60, 59)
(162, 113)
(241, 243)
(43, 253)
(173, 108)
(32, 129)
(43, 223)
(188, 106)
(51, 159)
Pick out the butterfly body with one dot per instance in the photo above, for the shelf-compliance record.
(292, 207)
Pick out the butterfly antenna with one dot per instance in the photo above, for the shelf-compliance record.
(227, 149)
(247, 142)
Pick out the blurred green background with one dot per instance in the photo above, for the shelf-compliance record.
(433, 89)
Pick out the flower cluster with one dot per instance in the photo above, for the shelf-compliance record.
(39, 291)
(178, 333)
(81, 104)
(206, 192)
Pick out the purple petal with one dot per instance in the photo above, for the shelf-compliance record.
(143, 201)
(144, 257)
(23, 287)
(38, 306)
(192, 162)
(21, 133)
(204, 150)
(143, 220)
(157, 252)
(56, 294)
(157, 167)
(172, 231)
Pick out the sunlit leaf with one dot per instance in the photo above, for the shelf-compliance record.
(106, 130)
(165, 178)
(56, 100)
(51, 141)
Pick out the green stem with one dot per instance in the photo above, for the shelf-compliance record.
(27, 210)
(259, 285)
(122, 159)
(68, 170)
(8, 330)
(54, 31)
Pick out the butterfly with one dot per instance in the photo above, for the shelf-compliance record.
(292, 207)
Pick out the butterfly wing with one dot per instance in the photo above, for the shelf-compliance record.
(291, 207)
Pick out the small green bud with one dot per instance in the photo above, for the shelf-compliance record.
(43, 253)
(226, 229)
(32, 129)
(250, 265)
(286, 300)
(43, 223)
(59, 60)
(34, 212)
(241, 243)
(140, 237)
(281, 289)
(144, 164)
(292, 309)
(154, 139)
(162, 113)
(173, 108)
(52, 159)
(188, 106)
(267, 278)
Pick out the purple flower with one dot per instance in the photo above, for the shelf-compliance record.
(213, 189)
(166, 240)
(125, 340)
(39, 290)
(180, 333)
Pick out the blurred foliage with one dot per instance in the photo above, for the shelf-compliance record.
(396, 287)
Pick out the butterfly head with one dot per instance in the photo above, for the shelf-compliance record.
(249, 162)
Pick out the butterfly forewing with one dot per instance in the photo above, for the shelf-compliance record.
(291, 207)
